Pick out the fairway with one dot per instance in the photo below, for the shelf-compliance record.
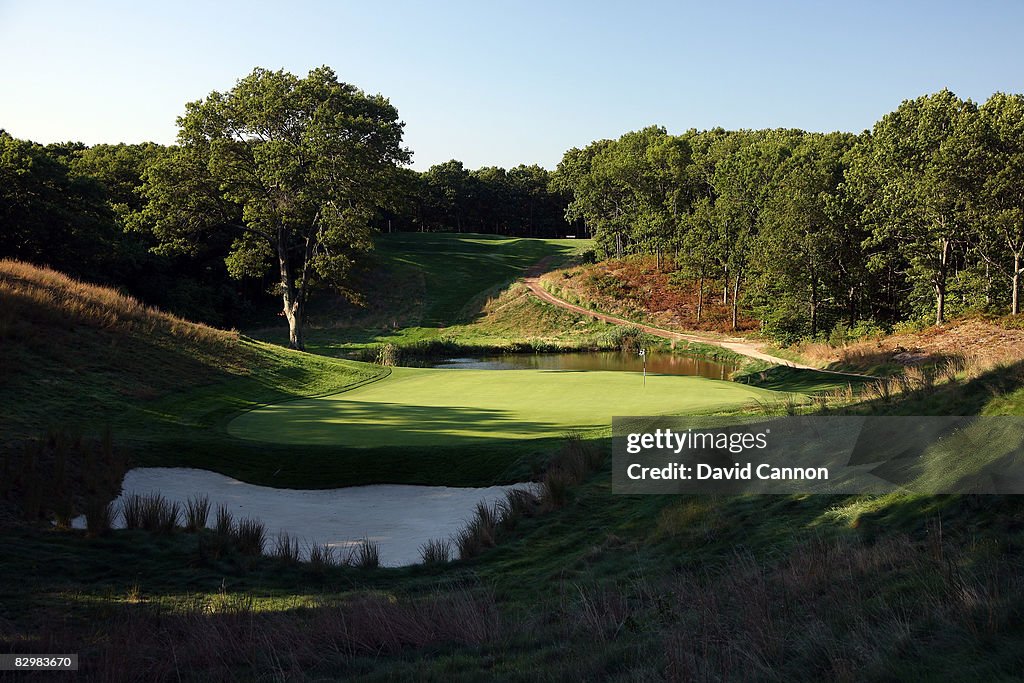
(457, 267)
(431, 407)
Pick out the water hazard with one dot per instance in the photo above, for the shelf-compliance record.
(657, 363)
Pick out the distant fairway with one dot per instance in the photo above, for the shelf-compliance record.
(428, 407)
(458, 266)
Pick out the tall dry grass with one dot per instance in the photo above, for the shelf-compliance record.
(824, 610)
(197, 513)
(159, 514)
(60, 475)
(365, 555)
(30, 292)
(322, 556)
(286, 548)
(249, 536)
(436, 551)
(577, 458)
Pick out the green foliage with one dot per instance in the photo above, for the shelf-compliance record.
(998, 158)
(49, 214)
(911, 177)
(808, 231)
(294, 169)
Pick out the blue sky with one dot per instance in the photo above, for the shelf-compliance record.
(505, 83)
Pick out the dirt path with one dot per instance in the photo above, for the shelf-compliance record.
(734, 344)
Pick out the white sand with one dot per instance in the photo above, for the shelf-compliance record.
(399, 518)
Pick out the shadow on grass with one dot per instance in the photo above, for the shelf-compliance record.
(994, 392)
(372, 423)
(787, 379)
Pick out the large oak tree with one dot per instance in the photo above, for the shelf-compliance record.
(295, 167)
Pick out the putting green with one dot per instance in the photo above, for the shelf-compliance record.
(432, 407)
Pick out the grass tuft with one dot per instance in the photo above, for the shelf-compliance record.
(436, 551)
(365, 555)
(286, 548)
(197, 512)
(99, 516)
(518, 503)
(158, 514)
(131, 511)
(250, 536)
(224, 524)
(322, 556)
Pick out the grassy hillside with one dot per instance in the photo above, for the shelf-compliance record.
(508, 317)
(452, 286)
(80, 359)
(80, 356)
(456, 268)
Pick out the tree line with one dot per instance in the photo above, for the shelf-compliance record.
(68, 206)
(278, 185)
(923, 215)
(447, 197)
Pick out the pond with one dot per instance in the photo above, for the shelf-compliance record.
(398, 518)
(657, 363)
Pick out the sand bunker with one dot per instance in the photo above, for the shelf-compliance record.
(399, 518)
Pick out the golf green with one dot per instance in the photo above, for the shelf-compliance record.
(433, 407)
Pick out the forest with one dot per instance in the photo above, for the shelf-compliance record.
(918, 219)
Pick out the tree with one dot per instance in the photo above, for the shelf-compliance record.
(296, 168)
(49, 215)
(597, 198)
(799, 250)
(1000, 205)
(742, 181)
(908, 176)
(448, 189)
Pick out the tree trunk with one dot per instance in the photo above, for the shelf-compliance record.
(293, 296)
(1015, 306)
(292, 306)
(700, 296)
(940, 302)
(725, 287)
(940, 284)
(735, 300)
(814, 313)
(296, 331)
(988, 283)
(852, 303)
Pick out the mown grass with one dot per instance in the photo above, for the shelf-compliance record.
(457, 268)
(418, 407)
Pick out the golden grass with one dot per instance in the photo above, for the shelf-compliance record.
(35, 291)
